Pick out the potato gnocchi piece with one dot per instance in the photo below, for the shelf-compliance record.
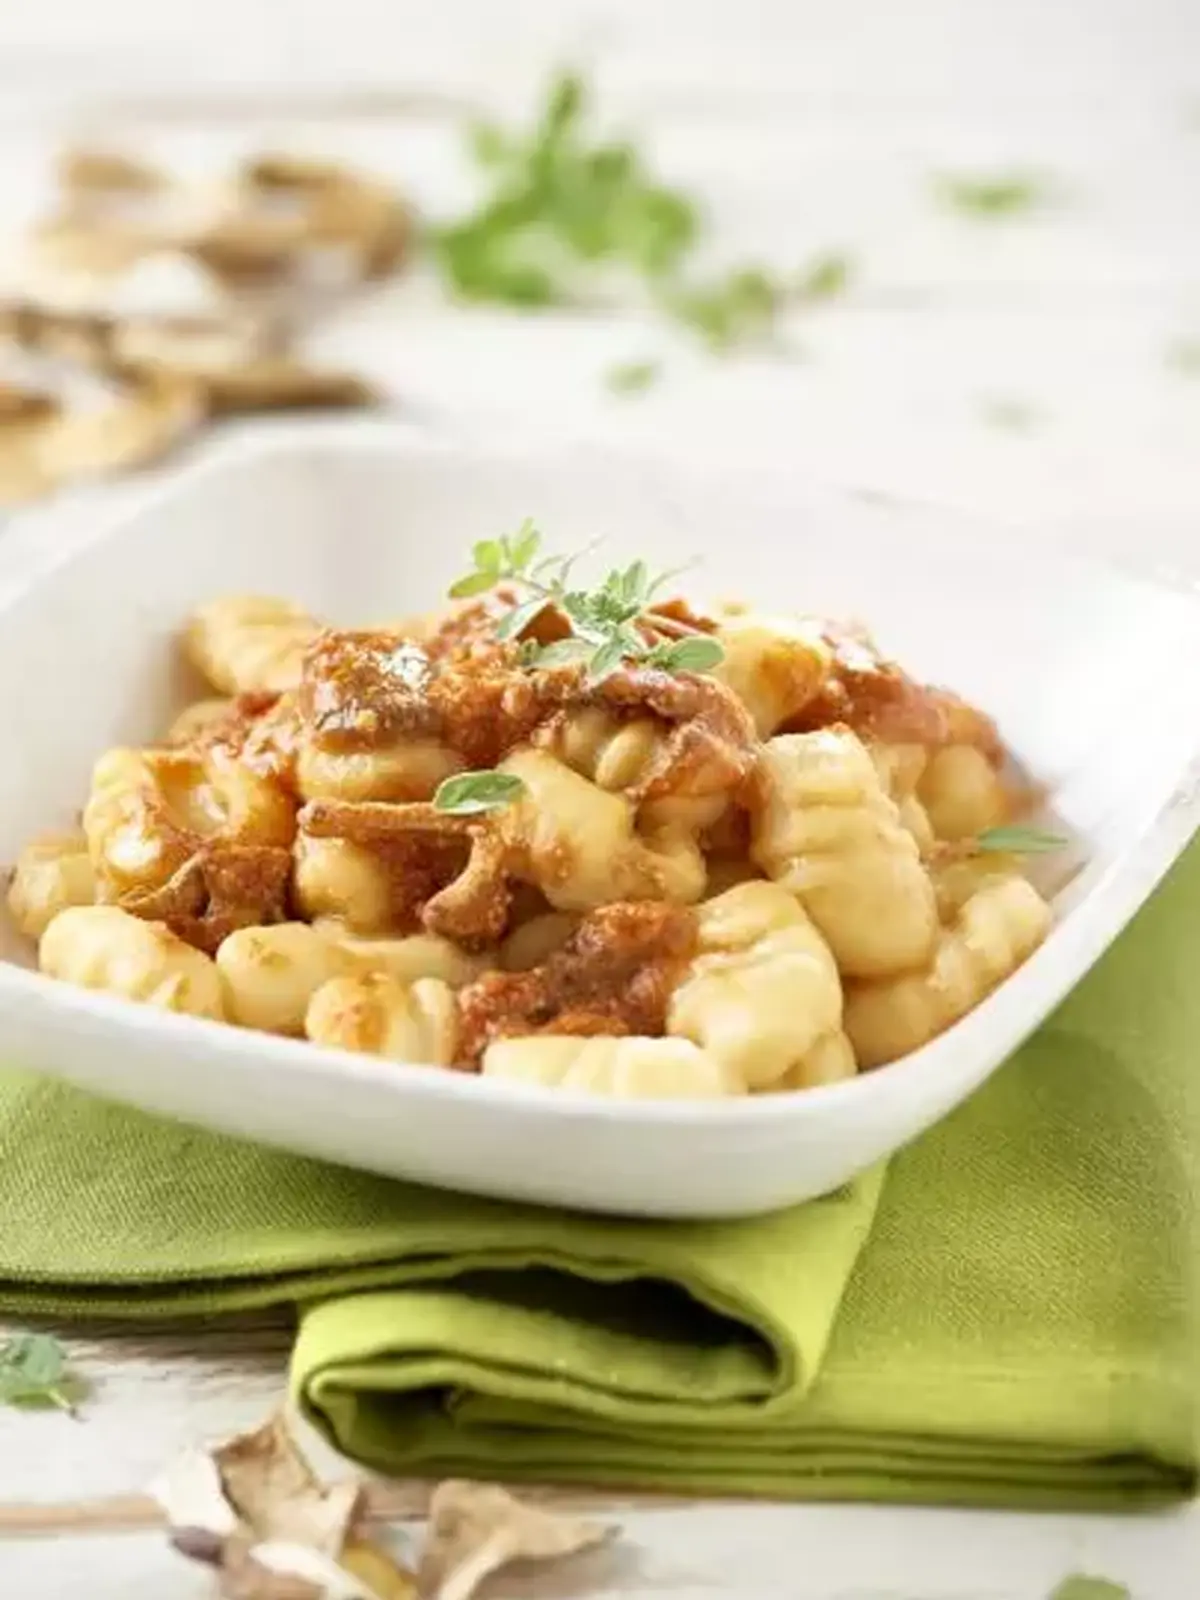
(103, 947)
(629, 1069)
(335, 878)
(831, 1060)
(250, 644)
(270, 974)
(194, 721)
(416, 955)
(149, 811)
(826, 831)
(997, 928)
(377, 1014)
(52, 873)
(615, 754)
(762, 992)
(900, 767)
(962, 793)
(775, 665)
(957, 878)
(409, 769)
(578, 845)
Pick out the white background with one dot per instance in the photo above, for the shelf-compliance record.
(806, 124)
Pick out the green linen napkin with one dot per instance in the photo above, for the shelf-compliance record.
(1014, 1322)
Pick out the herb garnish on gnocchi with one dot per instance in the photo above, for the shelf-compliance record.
(593, 838)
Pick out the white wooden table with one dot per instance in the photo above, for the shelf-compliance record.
(807, 126)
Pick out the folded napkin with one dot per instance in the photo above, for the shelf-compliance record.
(1014, 1321)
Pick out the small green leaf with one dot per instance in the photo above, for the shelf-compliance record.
(513, 623)
(563, 652)
(1184, 357)
(1019, 841)
(1080, 1586)
(488, 555)
(472, 793)
(523, 546)
(635, 581)
(33, 1371)
(604, 662)
(1013, 415)
(489, 144)
(633, 377)
(697, 654)
(824, 278)
(999, 195)
(473, 583)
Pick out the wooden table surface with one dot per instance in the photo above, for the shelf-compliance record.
(807, 127)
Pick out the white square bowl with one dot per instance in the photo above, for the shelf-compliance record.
(1091, 673)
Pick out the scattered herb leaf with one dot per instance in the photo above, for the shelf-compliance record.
(698, 654)
(1184, 357)
(741, 308)
(633, 377)
(470, 794)
(1079, 1586)
(999, 195)
(33, 1372)
(825, 278)
(1019, 841)
(1014, 416)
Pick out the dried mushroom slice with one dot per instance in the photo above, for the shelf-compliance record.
(85, 171)
(157, 412)
(281, 384)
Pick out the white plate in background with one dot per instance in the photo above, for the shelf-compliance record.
(1091, 673)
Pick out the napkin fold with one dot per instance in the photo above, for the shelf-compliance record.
(1010, 1318)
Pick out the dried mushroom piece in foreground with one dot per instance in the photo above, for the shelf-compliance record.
(477, 1528)
(254, 1511)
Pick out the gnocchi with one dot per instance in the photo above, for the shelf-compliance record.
(603, 842)
(377, 1014)
(828, 833)
(51, 874)
(629, 1069)
(105, 948)
(996, 929)
(250, 644)
(763, 989)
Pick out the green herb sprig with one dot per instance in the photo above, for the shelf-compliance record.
(563, 211)
(603, 621)
(604, 633)
(33, 1372)
(988, 198)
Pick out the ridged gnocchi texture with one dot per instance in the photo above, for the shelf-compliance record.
(773, 664)
(996, 929)
(763, 991)
(900, 767)
(962, 793)
(377, 1014)
(578, 844)
(51, 874)
(150, 810)
(270, 974)
(826, 831)
(250, 644)
(627, 1069)
(103, 947)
